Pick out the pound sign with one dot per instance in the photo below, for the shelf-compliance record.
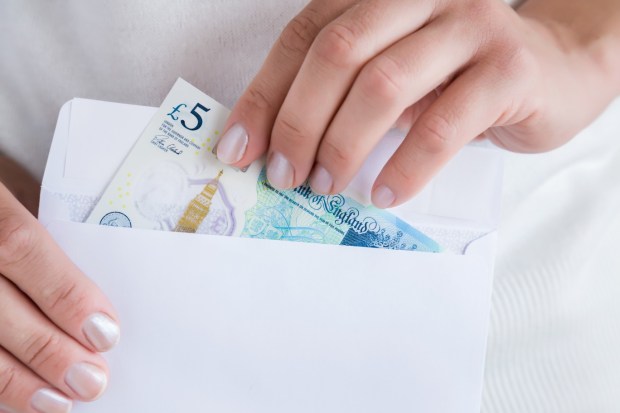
(175, 110)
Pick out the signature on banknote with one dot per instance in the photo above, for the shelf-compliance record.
(161, 141)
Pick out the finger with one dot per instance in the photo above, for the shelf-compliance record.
(470, 105)
(46, 350)
(249, 126)
(23, 391)
(334, 60)
(32, 261)
(397, 78)
(409, 116)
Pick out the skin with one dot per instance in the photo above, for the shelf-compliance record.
(44, 301)
(342, 73)
(345, 71)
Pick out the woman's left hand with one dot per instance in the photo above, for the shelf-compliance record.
(345, 71)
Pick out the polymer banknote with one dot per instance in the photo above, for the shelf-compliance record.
(172, 181)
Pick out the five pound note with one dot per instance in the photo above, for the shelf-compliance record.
(172, 181)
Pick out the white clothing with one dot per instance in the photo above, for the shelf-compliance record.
(122, 51)
(555, 323)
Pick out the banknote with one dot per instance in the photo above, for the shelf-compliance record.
(172, 181)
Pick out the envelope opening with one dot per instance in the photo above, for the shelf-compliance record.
(459, 206)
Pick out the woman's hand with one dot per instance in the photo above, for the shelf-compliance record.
(345, 71)
(53, 320)
(23, 186)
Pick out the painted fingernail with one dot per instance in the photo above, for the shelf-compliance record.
(232, 146)
(321, 181)
(86, 380)
(102, 332)
(49, 401)
(383, 197)
(280, 171)
(5, 409)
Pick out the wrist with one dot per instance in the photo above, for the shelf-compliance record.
(588, 33)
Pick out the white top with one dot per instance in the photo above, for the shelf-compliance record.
(555, 326)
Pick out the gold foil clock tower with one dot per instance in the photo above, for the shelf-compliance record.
(198, 209)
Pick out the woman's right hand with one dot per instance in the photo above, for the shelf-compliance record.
(53, 320)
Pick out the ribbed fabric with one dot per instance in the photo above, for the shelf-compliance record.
(554, 344)
(122, 51)
(555, 325)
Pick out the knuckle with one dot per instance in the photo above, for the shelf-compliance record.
(401, 170)
(333, 153)
(257, 99)
(471, 38)
(521, 61)
(337, 46)
(8, 379)
(298, 35)
(288, 131)
(39, 349)
(17, 240)
(435, 132)
(508, 55)
(65, 296)
(381, 80)
(478, 10)
(515, 65)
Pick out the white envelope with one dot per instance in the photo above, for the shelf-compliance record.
(225, 325)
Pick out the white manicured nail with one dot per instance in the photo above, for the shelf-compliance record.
(280, 171)
(102, 332)
(49, 401)
(6, 409)
(383, 197)
(321, 181)
(232, 146)
(86, 380)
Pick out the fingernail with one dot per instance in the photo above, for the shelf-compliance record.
(87, 381)
(48, 401)
(280, 171)
(321, 181)
(102, 332)
(232, 146)
(6, 409)
(383, 197)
